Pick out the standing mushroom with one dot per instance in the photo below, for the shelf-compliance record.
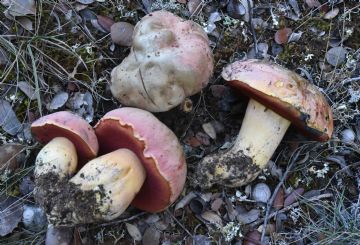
(278, 97)
(142, 163)
(170, 60)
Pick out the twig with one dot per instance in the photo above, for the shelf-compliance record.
(252, 29)
(178, 222)
(295, 204)
(270, 202)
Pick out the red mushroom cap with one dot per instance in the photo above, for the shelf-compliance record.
(284, 92)
(71, 126)
(157, 148)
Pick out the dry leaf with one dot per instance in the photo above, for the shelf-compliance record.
(26, 23)
(212, 218)
(20, 7)
(151, 236)
(9, 156)
(293, 196)
(11, 211)
(58, 101)
(209, 130)
(282, 35)
(133, 231)
(8, 120)
(331, 14)
(105, 22)
(27, 89)
(248, 217)
(336, 56)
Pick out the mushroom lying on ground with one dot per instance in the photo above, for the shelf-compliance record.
(170, 60)
(278, 97)
(142, 163)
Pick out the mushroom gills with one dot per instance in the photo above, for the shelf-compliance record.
(261, 132)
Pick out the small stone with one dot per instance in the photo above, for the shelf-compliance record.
(261, 193)
(121, 33)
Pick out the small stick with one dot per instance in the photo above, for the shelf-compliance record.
(295, 204)
(270, 202)
(178, 222)
(124, 220)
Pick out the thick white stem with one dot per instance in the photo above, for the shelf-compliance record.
(260, 134)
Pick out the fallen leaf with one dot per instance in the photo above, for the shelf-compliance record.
(134, 232)
(248, 217)
(282, 35)
(8, 120)
(59, 235)
(9, 155)
(293, 196)
(235, 9)
(194, 7)
(279, 199)
(26, 23)
(86, 2)
(58, 101)
(152, 218)
(201, 240)
(295, 36)
(336, 56)
(203, 138)
(11, 210)
(209, 130)
(216, 204)
(105, 22)
(312, 3)
(252, 238)
(294, 4)
(3, 57)
(331, 14)
(27, 89)
(21, 7)
(151, 236)
(97, 26)
(212, 218)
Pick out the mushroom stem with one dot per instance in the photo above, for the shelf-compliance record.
(261, 132)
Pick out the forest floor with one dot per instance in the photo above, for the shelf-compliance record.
(58, 55)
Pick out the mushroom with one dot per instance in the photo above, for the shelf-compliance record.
(278, 97)
(71, 126)
(170, 60)
(140, 163)
(155, 145)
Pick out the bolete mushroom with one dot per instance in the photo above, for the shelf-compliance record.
(278, 98)
(155, 145)
(170, 60)
(142, 163)
(71, 126)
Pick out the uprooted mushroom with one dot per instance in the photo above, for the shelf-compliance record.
(140, 163)
(170, 60)
(278, 98)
